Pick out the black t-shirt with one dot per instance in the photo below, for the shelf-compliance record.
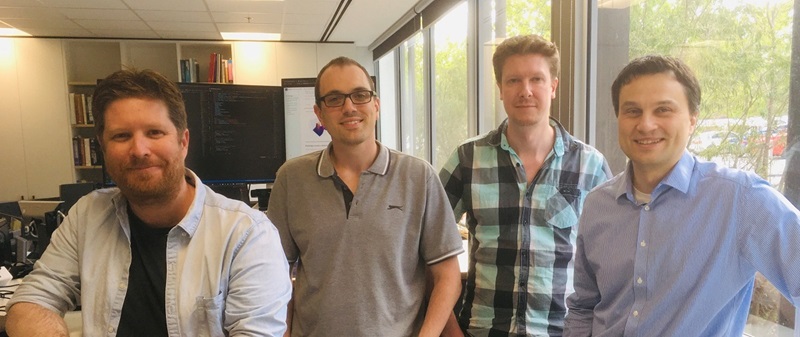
(143, 311)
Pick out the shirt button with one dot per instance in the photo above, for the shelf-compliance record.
(647, 207)
(122, 285)
(636, 314)
(642, 243)
(639, 281)
(111, 329)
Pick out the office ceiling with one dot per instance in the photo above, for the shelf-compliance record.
(361, 21)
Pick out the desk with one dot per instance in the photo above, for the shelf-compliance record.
(72, 318)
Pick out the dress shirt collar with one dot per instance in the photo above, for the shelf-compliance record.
(380, 166)
(679, 178)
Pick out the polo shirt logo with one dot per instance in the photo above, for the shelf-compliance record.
(391, 207)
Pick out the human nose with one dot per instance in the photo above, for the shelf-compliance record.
(140, 146)
(647, 122)
(347, 104)
(527, 89)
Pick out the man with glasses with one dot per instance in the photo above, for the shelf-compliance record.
(522, 188)
(362, 224)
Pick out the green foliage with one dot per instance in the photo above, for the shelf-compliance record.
(741, 55)
(528, 17)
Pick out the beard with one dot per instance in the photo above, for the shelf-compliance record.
(148, 187)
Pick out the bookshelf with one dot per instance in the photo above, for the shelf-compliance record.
(89, 60)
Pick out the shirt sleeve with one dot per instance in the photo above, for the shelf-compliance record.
(440, 239)
(260, 286)
(278, 213)
(54, 282)
(581, 303)
(770, 228)
(452, 181)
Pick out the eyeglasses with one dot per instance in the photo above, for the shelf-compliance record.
(357, 97)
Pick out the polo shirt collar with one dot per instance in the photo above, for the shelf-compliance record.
(380, 166)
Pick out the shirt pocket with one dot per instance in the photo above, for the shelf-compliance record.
(560, 211)
(208, 315)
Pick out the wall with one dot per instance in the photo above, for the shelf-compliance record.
(35, 142)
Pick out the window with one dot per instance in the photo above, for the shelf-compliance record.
(387, 87)
(413, 107)
(450, 97)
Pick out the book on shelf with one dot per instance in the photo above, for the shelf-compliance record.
(80, 109)
(72, 118)
(77, 148)
(86, 151)
(189, 70)
(220, 70)
(87, 108)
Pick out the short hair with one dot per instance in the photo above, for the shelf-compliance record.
(656, 64)
(340, 61)
(522, 45)
(132, 83)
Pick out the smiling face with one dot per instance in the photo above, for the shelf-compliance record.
(527, 89)
(144, 152)
(350, 124)
(655, 122)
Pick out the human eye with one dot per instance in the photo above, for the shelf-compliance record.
(361, 96)
(663, 109)
(631, 111)
(119, 136)
(155, 133)
(334, 100)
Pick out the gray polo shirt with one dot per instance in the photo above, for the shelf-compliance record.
(362, 274)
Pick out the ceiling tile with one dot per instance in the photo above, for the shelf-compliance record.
(190, 35)
(182, 26)
(175, 16)
(61, 32)
(241, 6)
(30, 13)
(242, 17)
(306, 19)
(316, 30)
(99, 14)
(97, 4)
(112, 25)
(28, 23)
(357, 18)
(299, 37)
(166, 5)
(249, 27)
(20, 3)
(116, 33)
(312, 7)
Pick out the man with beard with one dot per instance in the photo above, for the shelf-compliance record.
(364, 223)
(522, 188)
(161, 254)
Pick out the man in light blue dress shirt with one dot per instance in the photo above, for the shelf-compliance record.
(671, 246)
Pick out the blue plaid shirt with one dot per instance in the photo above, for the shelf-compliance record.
(522, 237)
